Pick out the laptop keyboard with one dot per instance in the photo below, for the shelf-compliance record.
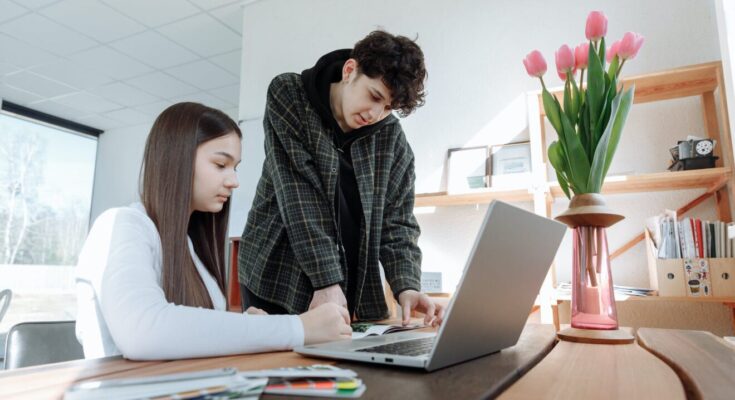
(414, 347)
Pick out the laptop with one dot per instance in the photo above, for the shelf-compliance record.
(504, 272)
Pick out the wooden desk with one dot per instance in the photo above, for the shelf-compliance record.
(482, 377)
(666, 364)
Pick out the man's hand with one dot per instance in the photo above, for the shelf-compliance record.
(413, 300)
(330, 294)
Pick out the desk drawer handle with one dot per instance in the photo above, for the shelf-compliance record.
(725, 276)
(670, 275)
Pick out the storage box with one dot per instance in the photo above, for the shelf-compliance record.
(723, 276)
(697, 277)
(693, 163)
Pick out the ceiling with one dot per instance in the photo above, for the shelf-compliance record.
(113, 64)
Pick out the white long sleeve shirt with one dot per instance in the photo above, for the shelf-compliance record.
(122, 308)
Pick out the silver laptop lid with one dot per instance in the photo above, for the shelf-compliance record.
(506, 267)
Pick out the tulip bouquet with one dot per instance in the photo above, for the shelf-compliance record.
(589, 126)
(594, 112)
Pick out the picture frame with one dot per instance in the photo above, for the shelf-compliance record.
(510, 164)
(467, 169)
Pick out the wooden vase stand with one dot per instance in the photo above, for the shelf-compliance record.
(621, 335)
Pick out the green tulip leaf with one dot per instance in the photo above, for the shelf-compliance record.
(563, 184)
(614, 65)
(579, 165)
(622, 114)
(576, 102)
(610, 139)
(595, 89)
(568, 109)
(556, 158)
(551, 106)
(602, 52)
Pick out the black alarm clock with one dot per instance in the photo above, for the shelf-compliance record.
(703, 148)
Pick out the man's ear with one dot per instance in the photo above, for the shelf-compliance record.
(349, 69)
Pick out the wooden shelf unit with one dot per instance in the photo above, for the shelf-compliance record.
(659, 181)
(696, 80)
(703, 80)
(484, 196)
(623, 297)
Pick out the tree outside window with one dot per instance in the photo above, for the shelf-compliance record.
(46, 180)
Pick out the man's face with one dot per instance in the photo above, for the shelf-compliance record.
(365, 100)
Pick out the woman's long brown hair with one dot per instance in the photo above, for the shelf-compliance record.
(166, 191)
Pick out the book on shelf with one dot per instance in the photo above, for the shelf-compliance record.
(691, 238)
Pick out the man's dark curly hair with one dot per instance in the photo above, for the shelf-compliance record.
(399, 62)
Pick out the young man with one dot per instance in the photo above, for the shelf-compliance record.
(336, 193)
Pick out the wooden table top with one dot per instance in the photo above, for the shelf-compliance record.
(598, 371)
(482, 377)
(663, 364)
(704, 362)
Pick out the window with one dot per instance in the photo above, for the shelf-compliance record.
(46, 179)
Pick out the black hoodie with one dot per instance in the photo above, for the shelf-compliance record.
(348, 206)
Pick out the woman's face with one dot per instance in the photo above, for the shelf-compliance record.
(214, 172)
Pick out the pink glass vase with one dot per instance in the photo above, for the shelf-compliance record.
(593, 300)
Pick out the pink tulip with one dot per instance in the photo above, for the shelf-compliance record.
(629, 45)
(564, 60)
(581, 53)
(535, 64)
(612, 51)
(562, 75)
(596, 26)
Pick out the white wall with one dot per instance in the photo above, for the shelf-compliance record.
(726, 28)
(119, 153)
(476, 93)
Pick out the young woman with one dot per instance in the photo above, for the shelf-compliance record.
(151, 276)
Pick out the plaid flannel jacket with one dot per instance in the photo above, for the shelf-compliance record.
(290, 244)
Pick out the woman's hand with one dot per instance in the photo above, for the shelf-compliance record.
(326, 323)
(255, 311)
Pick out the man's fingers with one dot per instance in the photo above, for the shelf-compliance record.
(406, 313)
(430, 309)
(440, 313)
